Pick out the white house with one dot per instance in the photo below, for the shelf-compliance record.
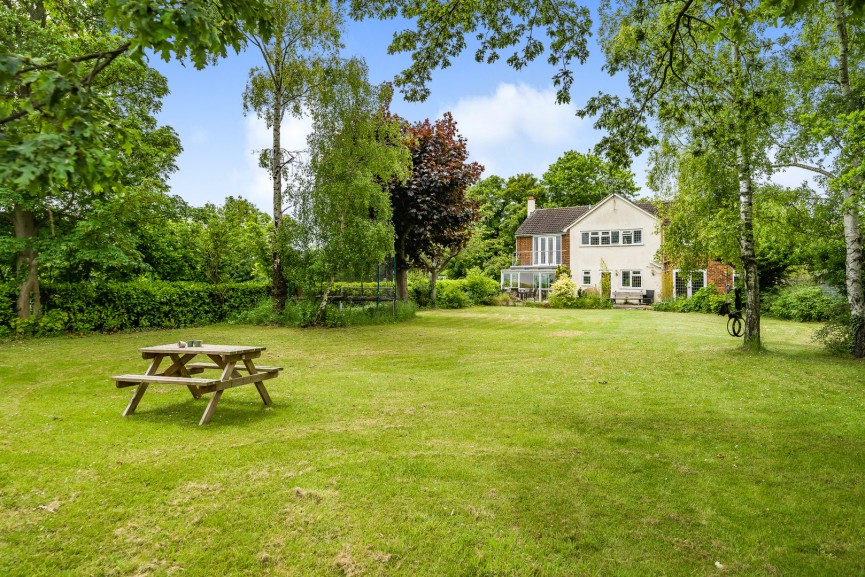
(616, 237)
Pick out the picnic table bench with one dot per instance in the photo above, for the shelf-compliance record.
(229, 359)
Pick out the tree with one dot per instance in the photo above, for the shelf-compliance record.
(297, 59)
(233, 241)
(704, 71)
(343, 208)
(60, 210)
(702, 218)
(441, 30)
(577, 179)
(56, 117)
(826, 127)
(431, 212)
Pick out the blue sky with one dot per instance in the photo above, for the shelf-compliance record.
(509, 118)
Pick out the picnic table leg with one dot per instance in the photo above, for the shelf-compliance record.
(259, 385)
(142, 388)
(136, 398)
(179, 366)
(211, 408)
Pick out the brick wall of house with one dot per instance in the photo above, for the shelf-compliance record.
(566, 250)
(524, 249)
(720, 275)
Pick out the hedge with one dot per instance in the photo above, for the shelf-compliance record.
(109, 307)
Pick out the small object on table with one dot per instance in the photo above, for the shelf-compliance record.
(196, 343)
(229, 359)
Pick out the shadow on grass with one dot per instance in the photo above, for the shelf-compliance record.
(188, 413)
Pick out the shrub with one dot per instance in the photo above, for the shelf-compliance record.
(451, 294)
(836, 334)
(590, 300)
(706, 300)
(419, 292)
(480, 288)
(669, 305)
(803, 303)
(108, 307)
(563, 293)
(502, 300)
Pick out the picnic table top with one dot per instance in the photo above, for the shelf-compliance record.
(204, 349)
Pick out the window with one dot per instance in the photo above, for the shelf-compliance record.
(632, 279)
(686, 285)
(587, 277)
(611, 237)
(546, 250)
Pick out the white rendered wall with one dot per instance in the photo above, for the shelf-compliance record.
(616, 213)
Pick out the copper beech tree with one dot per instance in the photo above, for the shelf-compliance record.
(432, 215)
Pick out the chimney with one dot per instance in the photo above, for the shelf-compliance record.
(531, 205)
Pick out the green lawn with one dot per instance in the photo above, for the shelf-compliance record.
(485, 441)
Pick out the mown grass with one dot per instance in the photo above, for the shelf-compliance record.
(487, 441)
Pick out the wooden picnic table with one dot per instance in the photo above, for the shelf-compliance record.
(229, 359)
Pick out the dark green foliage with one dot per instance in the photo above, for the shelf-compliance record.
(419, 292)
(802, 303)
(108, 307)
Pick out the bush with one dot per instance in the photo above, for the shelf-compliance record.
(480, 288)
(451, 294)
(419, 292)
(669, 305)
(803, 303)
(563, 293)
(706, 300)
(502, 300)
(836, 334)
(109, 307)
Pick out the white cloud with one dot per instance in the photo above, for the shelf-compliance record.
(520, 129)
(251, 180)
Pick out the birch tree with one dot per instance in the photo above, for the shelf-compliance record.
(304, 45)
(826, 133)
(701, 71)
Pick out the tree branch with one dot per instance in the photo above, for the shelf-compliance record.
(804, 166)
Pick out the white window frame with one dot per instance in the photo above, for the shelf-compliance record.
(545, 251)
(587, 274)
(690, 288)
(632, 273)
(611, 237)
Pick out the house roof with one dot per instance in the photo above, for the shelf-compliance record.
(551, 220)
(558, 220)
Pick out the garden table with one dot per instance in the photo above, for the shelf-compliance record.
(230, 359)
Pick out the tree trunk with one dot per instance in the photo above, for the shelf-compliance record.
(746, 213)
(747, 253)
(24, 223)
(401, 280)
(433, 277)
(322, 306)
(849, 210)
(278, 289)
